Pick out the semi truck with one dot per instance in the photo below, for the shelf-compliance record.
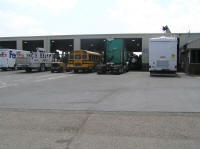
(8, 58)
(115, 58)
(39, 60)
(163, 56)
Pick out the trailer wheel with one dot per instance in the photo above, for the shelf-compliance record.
(42, 67)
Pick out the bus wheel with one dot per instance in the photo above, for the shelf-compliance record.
(75, 71)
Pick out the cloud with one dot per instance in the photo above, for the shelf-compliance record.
(56, 7)
(36, 31)
(13, 20)
(150, 16)
(13, 23)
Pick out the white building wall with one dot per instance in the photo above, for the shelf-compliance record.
(184, 38)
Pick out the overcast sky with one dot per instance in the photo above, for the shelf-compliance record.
(62, 17)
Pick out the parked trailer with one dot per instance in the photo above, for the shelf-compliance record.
(163, 55)
(39, 60)
(115, 58)
(8, 58)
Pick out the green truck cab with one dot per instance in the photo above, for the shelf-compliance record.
(115, 58)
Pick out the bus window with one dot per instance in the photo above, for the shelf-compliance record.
(78, 56)
(84, 56)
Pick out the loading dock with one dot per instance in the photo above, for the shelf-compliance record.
(31, 45)
(134, 50)
(8, 44)
(133, 44)
(94, 45)
(65, 45)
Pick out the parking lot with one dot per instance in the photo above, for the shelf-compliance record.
(90, 111)
(133, 91)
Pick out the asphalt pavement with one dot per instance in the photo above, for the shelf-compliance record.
(133, 91)
(89, 111)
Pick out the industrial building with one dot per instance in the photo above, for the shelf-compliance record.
(67, 43)
(190, 57)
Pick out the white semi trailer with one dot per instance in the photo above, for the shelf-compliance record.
(39, 60)
(163, 55)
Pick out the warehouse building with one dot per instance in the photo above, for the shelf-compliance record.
(67, 43)
(190, 57)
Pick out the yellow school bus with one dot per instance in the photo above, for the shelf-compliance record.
(83, 60)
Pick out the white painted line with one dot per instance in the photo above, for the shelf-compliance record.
(52, 78)
(3, 87)
(8, 85)
(42, 76)
(33, 79)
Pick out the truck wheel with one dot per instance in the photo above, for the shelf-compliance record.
(52, 71)
(120, 71)
(42, 67)
(28, 69)
(4, 69)
(14, 68)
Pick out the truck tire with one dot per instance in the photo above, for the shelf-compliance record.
(61, 70)
(120, 71)
(99, 72)
(42, 67)
(4, 69)
(14, 68)
(28, 69)
(52, 71)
